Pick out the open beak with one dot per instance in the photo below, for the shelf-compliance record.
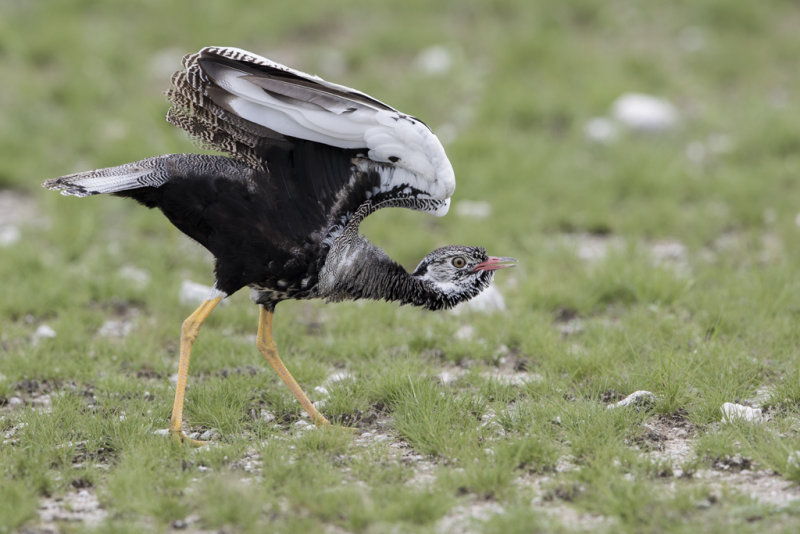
(493, 263)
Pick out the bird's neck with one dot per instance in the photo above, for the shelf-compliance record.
(357, 269)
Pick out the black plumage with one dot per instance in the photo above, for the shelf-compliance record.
(307, 161)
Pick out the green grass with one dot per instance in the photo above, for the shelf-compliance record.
(518, 438)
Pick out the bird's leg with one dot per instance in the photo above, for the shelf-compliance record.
(270, 351)
(189, 330)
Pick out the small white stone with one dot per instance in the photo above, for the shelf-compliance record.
(209, 434)
(465, 333)
(173, 379)
(668, 250)
(9, 235)
(732, 412)
(447, 377)
(301, 424)
(698, 151)
(644, 113)
(476, 209)
(322, 391)
(512, 379)
(593, 248)
(43, 401)
(639, 398)
(719, 143)
(161, 432)
(695, 152)
(266, 416)
(115, 328)
(571, 327)
(43, 332)
(138, 278)
(434, 60)
(15, 401)
(193, 293)
(488, 301)
(339, 376)
(601, 130)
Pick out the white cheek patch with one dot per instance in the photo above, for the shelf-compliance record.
(447, 287)
(435, 276)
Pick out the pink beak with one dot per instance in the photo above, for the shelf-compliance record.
(493, 263)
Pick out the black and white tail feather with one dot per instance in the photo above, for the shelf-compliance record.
(237, 102)
(146, 173)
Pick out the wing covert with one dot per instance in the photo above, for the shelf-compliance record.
(241, 103)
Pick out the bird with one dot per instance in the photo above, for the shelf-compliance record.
(303, 162)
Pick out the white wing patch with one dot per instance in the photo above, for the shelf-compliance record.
(335, 115)
(398, 178)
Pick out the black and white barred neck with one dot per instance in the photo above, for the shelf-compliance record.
(444, 278)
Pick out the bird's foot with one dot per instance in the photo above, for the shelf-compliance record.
(322, 423)
(319, 420)
(181, 437)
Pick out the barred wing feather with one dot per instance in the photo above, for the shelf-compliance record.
(234, 86)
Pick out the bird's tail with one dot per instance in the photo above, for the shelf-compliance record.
(151, 172)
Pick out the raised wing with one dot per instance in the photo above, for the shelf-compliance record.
(243, 104)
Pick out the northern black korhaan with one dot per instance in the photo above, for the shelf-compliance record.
(307, 161)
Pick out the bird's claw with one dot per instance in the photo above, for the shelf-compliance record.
(180, 436)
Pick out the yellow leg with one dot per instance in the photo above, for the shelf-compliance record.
(189, 330)
(270, 351)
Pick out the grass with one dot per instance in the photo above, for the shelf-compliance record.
(488, 423)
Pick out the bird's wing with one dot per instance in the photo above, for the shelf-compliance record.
(246, 105)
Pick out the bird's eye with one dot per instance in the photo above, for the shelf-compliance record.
(459, 262)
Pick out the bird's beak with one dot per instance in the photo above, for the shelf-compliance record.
(493, 263)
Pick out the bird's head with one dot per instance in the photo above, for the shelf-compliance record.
(457, 273)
